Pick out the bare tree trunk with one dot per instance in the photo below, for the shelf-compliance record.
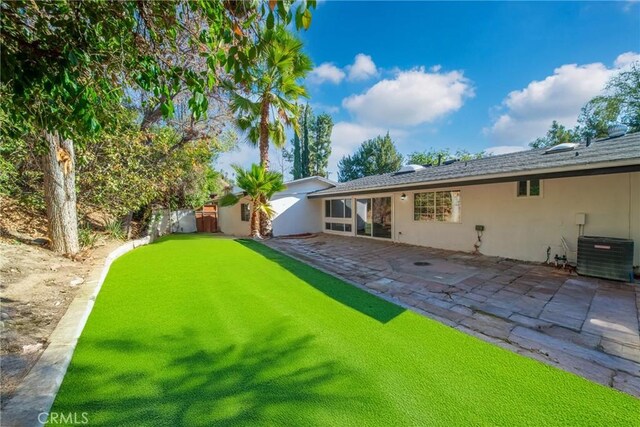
(126, 224)
(255, 221)
(264, 134)
(265, 222)
(58, 165)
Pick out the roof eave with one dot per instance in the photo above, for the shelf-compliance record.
(601, 168)
(309, 178)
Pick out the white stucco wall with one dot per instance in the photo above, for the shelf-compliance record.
(523, 228)
(229, 220)
(183, 221)
(296, 215)
(294, 212)
(164, 222)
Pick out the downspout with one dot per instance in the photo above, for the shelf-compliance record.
(393, 219)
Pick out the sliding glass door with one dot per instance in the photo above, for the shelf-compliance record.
(363, 218)
(373, 217)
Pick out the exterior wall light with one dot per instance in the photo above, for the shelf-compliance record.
(403, 197)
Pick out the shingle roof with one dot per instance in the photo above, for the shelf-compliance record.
(624, 149)
(309, 178)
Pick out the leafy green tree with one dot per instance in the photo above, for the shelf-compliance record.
(320, 150)
(67, 64)
(620, 103)
(373, 157)
(557, 134)
(465, 155)
(428, 157)
(311, 150)
(122, 170)
(260, 185)
(434, 157)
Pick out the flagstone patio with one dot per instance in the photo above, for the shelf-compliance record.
(584, 325)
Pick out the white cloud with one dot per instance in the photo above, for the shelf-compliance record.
(626, 59)
(243, 155)
(527, 113)
(327, 72)
(362, 68)
(319, 108)
(504, 149)
(411, 98)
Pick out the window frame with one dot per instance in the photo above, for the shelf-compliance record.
(242, 212)
(371, 197)
(330, 203)
(331, 225)
(435, 198)
(344, 222)
(528, 195)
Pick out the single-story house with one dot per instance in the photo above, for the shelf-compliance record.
(526, 205)
(295, 213)
(523, 203)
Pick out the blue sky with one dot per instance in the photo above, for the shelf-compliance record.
(459, 75)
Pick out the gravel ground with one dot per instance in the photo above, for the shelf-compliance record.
(36, 287)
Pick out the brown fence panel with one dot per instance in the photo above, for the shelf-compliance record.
(206, 222)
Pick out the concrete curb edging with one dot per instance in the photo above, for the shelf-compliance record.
(34, 397)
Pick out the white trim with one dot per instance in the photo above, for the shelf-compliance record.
(337, 219)
(422, 221)
(391, 196)
(309, 178)
(528, 196)
(469, 179)
(328, 219)
(339, 233)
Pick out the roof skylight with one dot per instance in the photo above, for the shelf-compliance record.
(409, 169)
(565, 146)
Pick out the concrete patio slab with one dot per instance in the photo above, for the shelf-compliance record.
(583, 325)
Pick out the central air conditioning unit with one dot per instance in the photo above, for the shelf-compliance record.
(605, 257)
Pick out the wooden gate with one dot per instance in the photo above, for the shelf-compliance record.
(207, 219)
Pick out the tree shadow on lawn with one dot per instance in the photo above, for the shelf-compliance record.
(272, 378)
(349, 295)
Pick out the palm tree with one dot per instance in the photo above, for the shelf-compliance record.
(267, 104)
(260, 185)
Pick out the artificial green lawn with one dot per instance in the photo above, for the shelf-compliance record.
(194, 330)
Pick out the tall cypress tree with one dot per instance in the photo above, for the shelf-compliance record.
(307, 135)
(312, 146)
(297, 164)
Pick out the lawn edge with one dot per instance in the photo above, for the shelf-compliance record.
(530, 354)
(36, 393)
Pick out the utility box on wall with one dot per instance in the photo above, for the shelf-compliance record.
(605, 257)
